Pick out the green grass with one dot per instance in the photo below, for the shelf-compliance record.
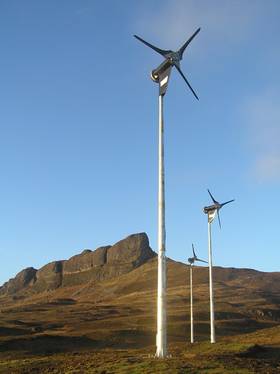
(203, 358)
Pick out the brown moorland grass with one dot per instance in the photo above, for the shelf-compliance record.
(109, 326)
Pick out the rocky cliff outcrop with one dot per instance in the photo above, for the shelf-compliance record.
(133, 250)
(103, 263)
(49, 277)
(86, 260)
(23, 279)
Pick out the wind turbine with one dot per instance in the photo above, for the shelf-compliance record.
(161, 76)
(211, 211)
(191, 261)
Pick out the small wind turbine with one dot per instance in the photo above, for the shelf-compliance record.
(172, 58)
(161, 76)
(211, 211)
(191, 261)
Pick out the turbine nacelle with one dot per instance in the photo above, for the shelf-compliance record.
(192, 260)
(211, 210)
(160, 70)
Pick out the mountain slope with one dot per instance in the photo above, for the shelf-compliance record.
(118, 309)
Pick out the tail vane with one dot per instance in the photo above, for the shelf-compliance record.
(219, 219)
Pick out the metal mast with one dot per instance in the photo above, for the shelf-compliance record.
(211, 291)
(161, 76)
(161, 340)
(191, 303)
(211, 211)
(191, 261)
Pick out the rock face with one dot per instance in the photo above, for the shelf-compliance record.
(132, 250)
(23, 279)
(107, 262)
(49, 277)
(103, 263)
(86, 260)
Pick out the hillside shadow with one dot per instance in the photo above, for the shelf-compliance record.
(48, 344)
(261, 352)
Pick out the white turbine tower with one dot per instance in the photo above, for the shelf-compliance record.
(191, 261)
(211, 211)
(161, 76)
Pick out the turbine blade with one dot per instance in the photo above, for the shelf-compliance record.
(214, 201)
(227, 202)
(185, 79)
(184, 46)
(219, 219)
(158, 50)
(193, 251)
(198, 259)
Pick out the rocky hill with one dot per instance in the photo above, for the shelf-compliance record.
(101, 264)
(107, 298)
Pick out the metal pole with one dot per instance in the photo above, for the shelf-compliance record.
(211, 291)
(191, 303)
(161, 296)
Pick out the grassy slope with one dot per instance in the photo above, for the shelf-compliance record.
(108, 324)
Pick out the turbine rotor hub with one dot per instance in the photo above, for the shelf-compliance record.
(174, 58)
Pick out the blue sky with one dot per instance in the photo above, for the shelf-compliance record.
(78, 128)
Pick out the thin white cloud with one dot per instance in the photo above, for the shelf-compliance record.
(174, 20)
(263, 119)
(268, 167)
